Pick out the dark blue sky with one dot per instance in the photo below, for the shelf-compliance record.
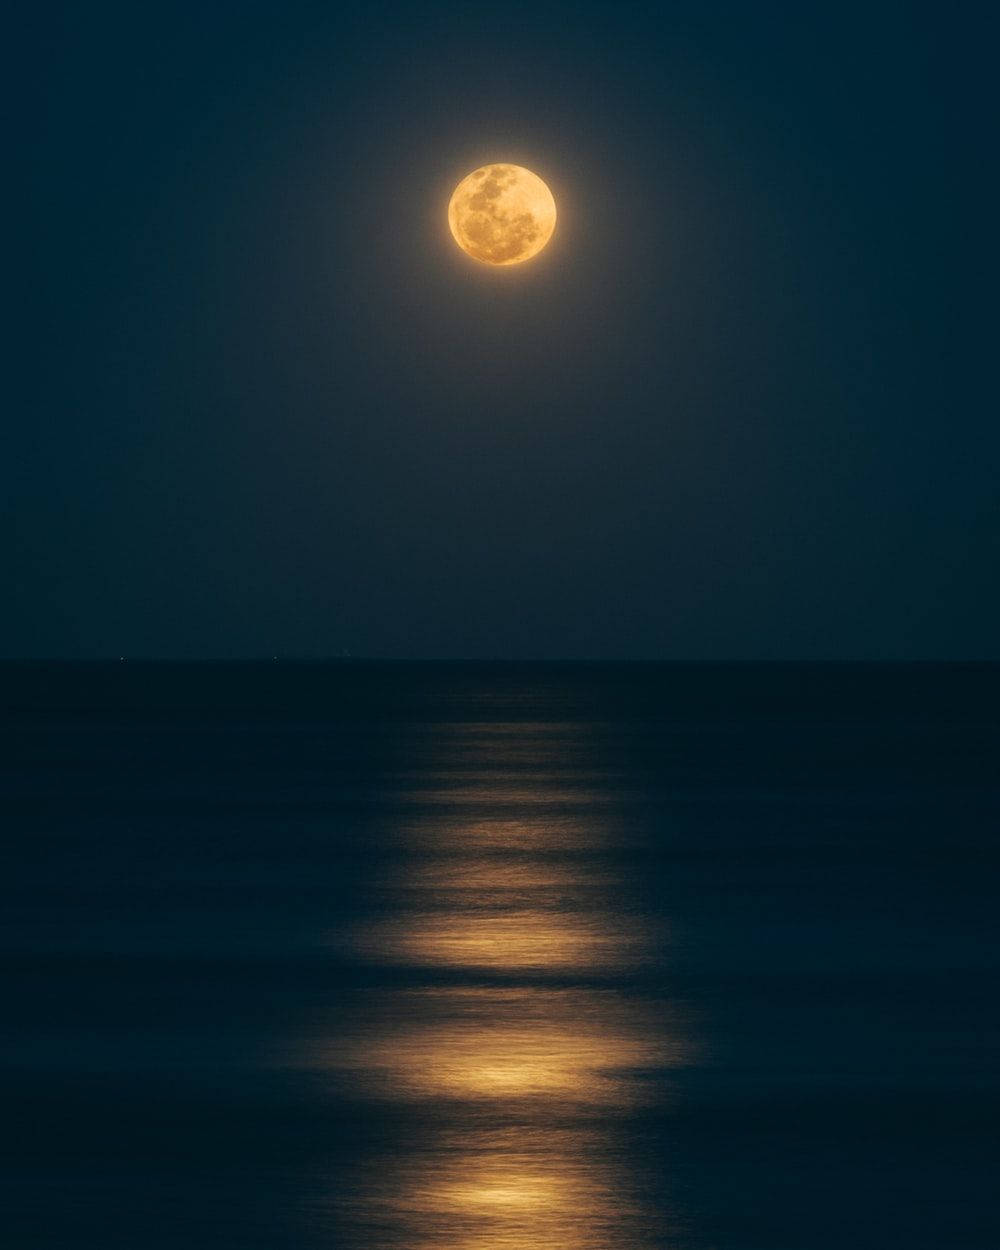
(262, 405)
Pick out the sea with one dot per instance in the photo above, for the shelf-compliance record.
(461, 956)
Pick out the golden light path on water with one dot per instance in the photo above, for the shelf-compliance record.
(520, 939)
(509, 1041)
(514, 1043)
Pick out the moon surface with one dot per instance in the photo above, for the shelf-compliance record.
(502, 214)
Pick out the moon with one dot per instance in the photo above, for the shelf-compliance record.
(502, 214)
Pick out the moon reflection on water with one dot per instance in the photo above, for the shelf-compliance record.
(504, 1036)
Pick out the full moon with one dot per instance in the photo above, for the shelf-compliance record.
(502, 214)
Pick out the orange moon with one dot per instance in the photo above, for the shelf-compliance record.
(502, 214)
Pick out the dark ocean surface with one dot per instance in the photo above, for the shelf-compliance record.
(500, 957)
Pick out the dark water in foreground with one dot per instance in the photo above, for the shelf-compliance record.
(500, 957)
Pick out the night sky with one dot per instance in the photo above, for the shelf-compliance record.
(262, 404)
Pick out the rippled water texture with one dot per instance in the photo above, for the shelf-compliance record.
(519, 1037)
(387, 957)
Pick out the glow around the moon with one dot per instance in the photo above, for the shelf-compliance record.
(502, 214)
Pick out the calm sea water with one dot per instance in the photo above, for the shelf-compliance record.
(459, 957)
